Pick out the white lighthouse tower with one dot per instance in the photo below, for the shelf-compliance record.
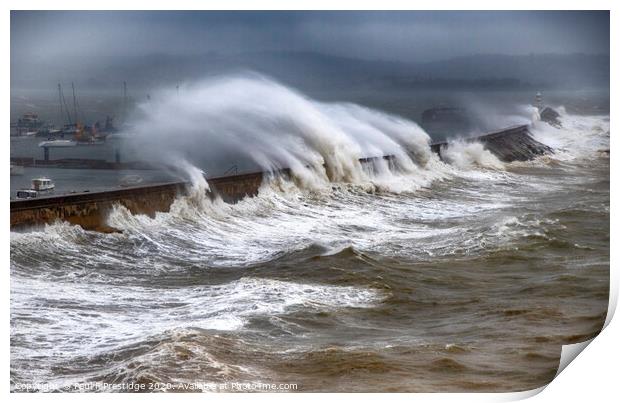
(538, 102)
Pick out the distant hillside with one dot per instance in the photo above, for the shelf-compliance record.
(550, 70)
(313, 70)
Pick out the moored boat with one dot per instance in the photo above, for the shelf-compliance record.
(39, 187)
(130, 180)
(43, 184)
(58, 143)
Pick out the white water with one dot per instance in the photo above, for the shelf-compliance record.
(467, 155)
(579, 136)
(277, 127)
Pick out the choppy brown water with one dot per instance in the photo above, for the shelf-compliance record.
(471, 282)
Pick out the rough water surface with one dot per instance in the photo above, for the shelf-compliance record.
(467, 274)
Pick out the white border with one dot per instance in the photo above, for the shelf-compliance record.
(592, 377)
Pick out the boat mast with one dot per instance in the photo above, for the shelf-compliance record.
(60, 103)
(64, 101)
(124, 101)
(74, 104)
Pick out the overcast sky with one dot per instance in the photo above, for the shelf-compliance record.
(94, 37)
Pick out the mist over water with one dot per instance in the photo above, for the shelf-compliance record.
(417, 274)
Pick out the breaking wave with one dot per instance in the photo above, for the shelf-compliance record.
(467, 155)
(579, 136)
(266, 123)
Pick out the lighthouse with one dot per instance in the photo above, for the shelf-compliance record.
(538, 102)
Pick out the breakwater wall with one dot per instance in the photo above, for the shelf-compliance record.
(510, 144)
(90, 210)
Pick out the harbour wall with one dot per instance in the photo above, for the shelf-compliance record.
(90, 210)
(510, 144)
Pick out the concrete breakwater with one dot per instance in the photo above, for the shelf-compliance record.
(90, 210)
(511, 144)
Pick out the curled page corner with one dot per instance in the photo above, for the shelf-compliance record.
(517, 396)
(569, 353)
(613, 300)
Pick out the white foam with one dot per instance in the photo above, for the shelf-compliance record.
(579, 137)
(468, 155)
(106, 317)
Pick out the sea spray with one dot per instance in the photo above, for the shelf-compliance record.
(259, 124)
(581, 137)
(469, 154)
(258, 120)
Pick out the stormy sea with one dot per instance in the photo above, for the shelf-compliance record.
(418, 274)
